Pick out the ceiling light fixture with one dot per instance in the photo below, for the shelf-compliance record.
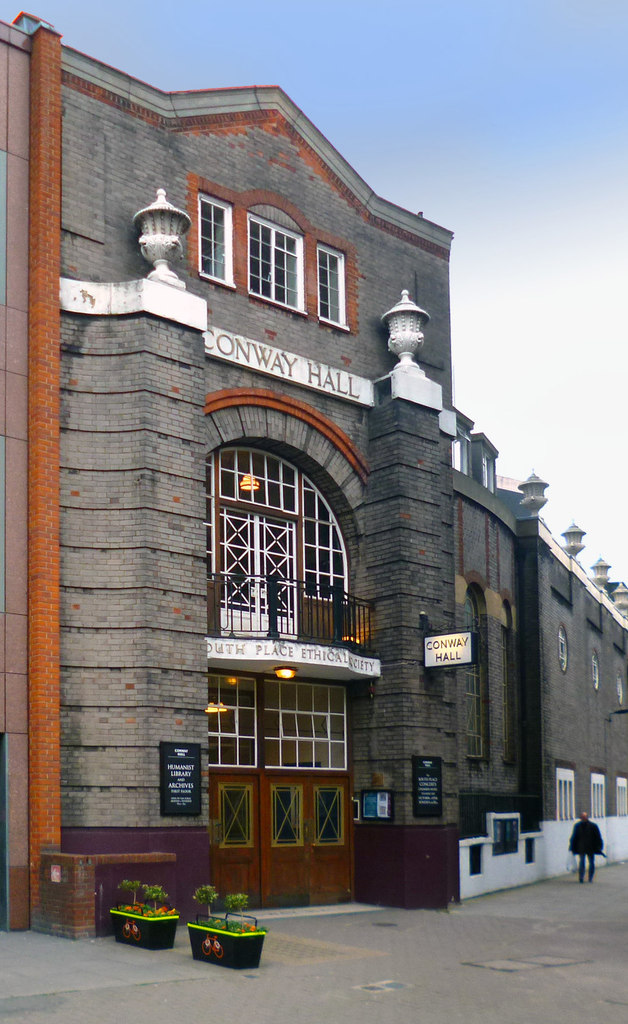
(285, 672)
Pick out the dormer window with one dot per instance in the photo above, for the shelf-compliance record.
(488, 471)
(483, 457)
(461, 451)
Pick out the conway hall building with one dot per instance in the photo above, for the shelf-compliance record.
(271, 619)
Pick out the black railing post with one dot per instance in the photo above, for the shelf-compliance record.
(337, 599)
(272, 603)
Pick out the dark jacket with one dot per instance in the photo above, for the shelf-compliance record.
(586, 838)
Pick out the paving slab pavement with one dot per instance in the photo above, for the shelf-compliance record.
(552, 952)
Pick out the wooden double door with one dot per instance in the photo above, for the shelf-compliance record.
(284, 838)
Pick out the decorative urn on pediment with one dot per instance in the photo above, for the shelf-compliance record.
(405, 323)
(162, 226)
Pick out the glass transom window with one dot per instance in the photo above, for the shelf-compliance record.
(275, 263)
(304, 726)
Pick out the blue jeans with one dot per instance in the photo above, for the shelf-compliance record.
(591, 858)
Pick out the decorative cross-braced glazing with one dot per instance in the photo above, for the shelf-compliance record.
(276, 559)
(235, 815)
(287, 816)
(328, 811)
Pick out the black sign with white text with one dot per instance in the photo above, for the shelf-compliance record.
(427, 787)
(180, 778)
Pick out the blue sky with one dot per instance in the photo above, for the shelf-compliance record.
(504, 120)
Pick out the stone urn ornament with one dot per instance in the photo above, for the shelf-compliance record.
(405, 323)
(162, 226)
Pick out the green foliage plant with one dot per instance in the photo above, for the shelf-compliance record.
(237, 903)
(127, 885)
(155, 893)
(206, 895)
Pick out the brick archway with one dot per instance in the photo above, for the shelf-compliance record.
(284, 424)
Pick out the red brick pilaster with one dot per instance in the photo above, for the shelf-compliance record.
(43, 470)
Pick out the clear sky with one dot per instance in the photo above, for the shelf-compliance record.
(504, 120)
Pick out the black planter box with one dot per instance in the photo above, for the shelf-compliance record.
(145, 932)
(225, 948)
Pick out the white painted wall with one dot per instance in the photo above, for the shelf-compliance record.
(551, 846)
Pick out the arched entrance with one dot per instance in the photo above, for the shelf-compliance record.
(279, 778)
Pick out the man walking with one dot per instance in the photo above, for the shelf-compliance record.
(586, 840)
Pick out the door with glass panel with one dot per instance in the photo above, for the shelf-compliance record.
(306, 847)
(304, 796)
(234, 835)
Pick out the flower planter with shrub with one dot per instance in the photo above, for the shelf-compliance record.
(226, 941)
(143, 925)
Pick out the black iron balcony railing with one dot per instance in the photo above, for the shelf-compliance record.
(288, 609)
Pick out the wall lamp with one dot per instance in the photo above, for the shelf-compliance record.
(285, 672)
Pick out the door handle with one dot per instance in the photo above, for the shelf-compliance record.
(215, 831)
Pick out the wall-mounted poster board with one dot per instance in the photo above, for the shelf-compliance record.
(377, 805)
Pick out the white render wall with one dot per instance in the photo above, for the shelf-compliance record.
(551, 846)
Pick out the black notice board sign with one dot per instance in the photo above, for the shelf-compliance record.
(427, 787)
(180, 778)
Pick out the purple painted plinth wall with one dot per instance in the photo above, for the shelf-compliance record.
(190, 846)
(415, 866)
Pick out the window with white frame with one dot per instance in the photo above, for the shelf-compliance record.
(232, 721)
(331, 286)
(215, 232)
(595, 670)
(461, 451)
(304, 725)
(598, 795)
(622, 796)
(565, 794)
(488, 471)
(275, 263)
(562, 648)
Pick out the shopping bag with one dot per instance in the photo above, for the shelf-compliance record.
(572, 862)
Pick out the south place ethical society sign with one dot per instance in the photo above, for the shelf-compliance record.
(449, 650)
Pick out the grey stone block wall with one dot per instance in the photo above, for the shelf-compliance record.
(409, 561)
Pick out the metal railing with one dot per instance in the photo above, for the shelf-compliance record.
(475, 806)
(277, 608)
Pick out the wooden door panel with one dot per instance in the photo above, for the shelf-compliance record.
(311, 865)
(234, 835)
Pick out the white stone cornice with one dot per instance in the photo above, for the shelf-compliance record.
(118, 298)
